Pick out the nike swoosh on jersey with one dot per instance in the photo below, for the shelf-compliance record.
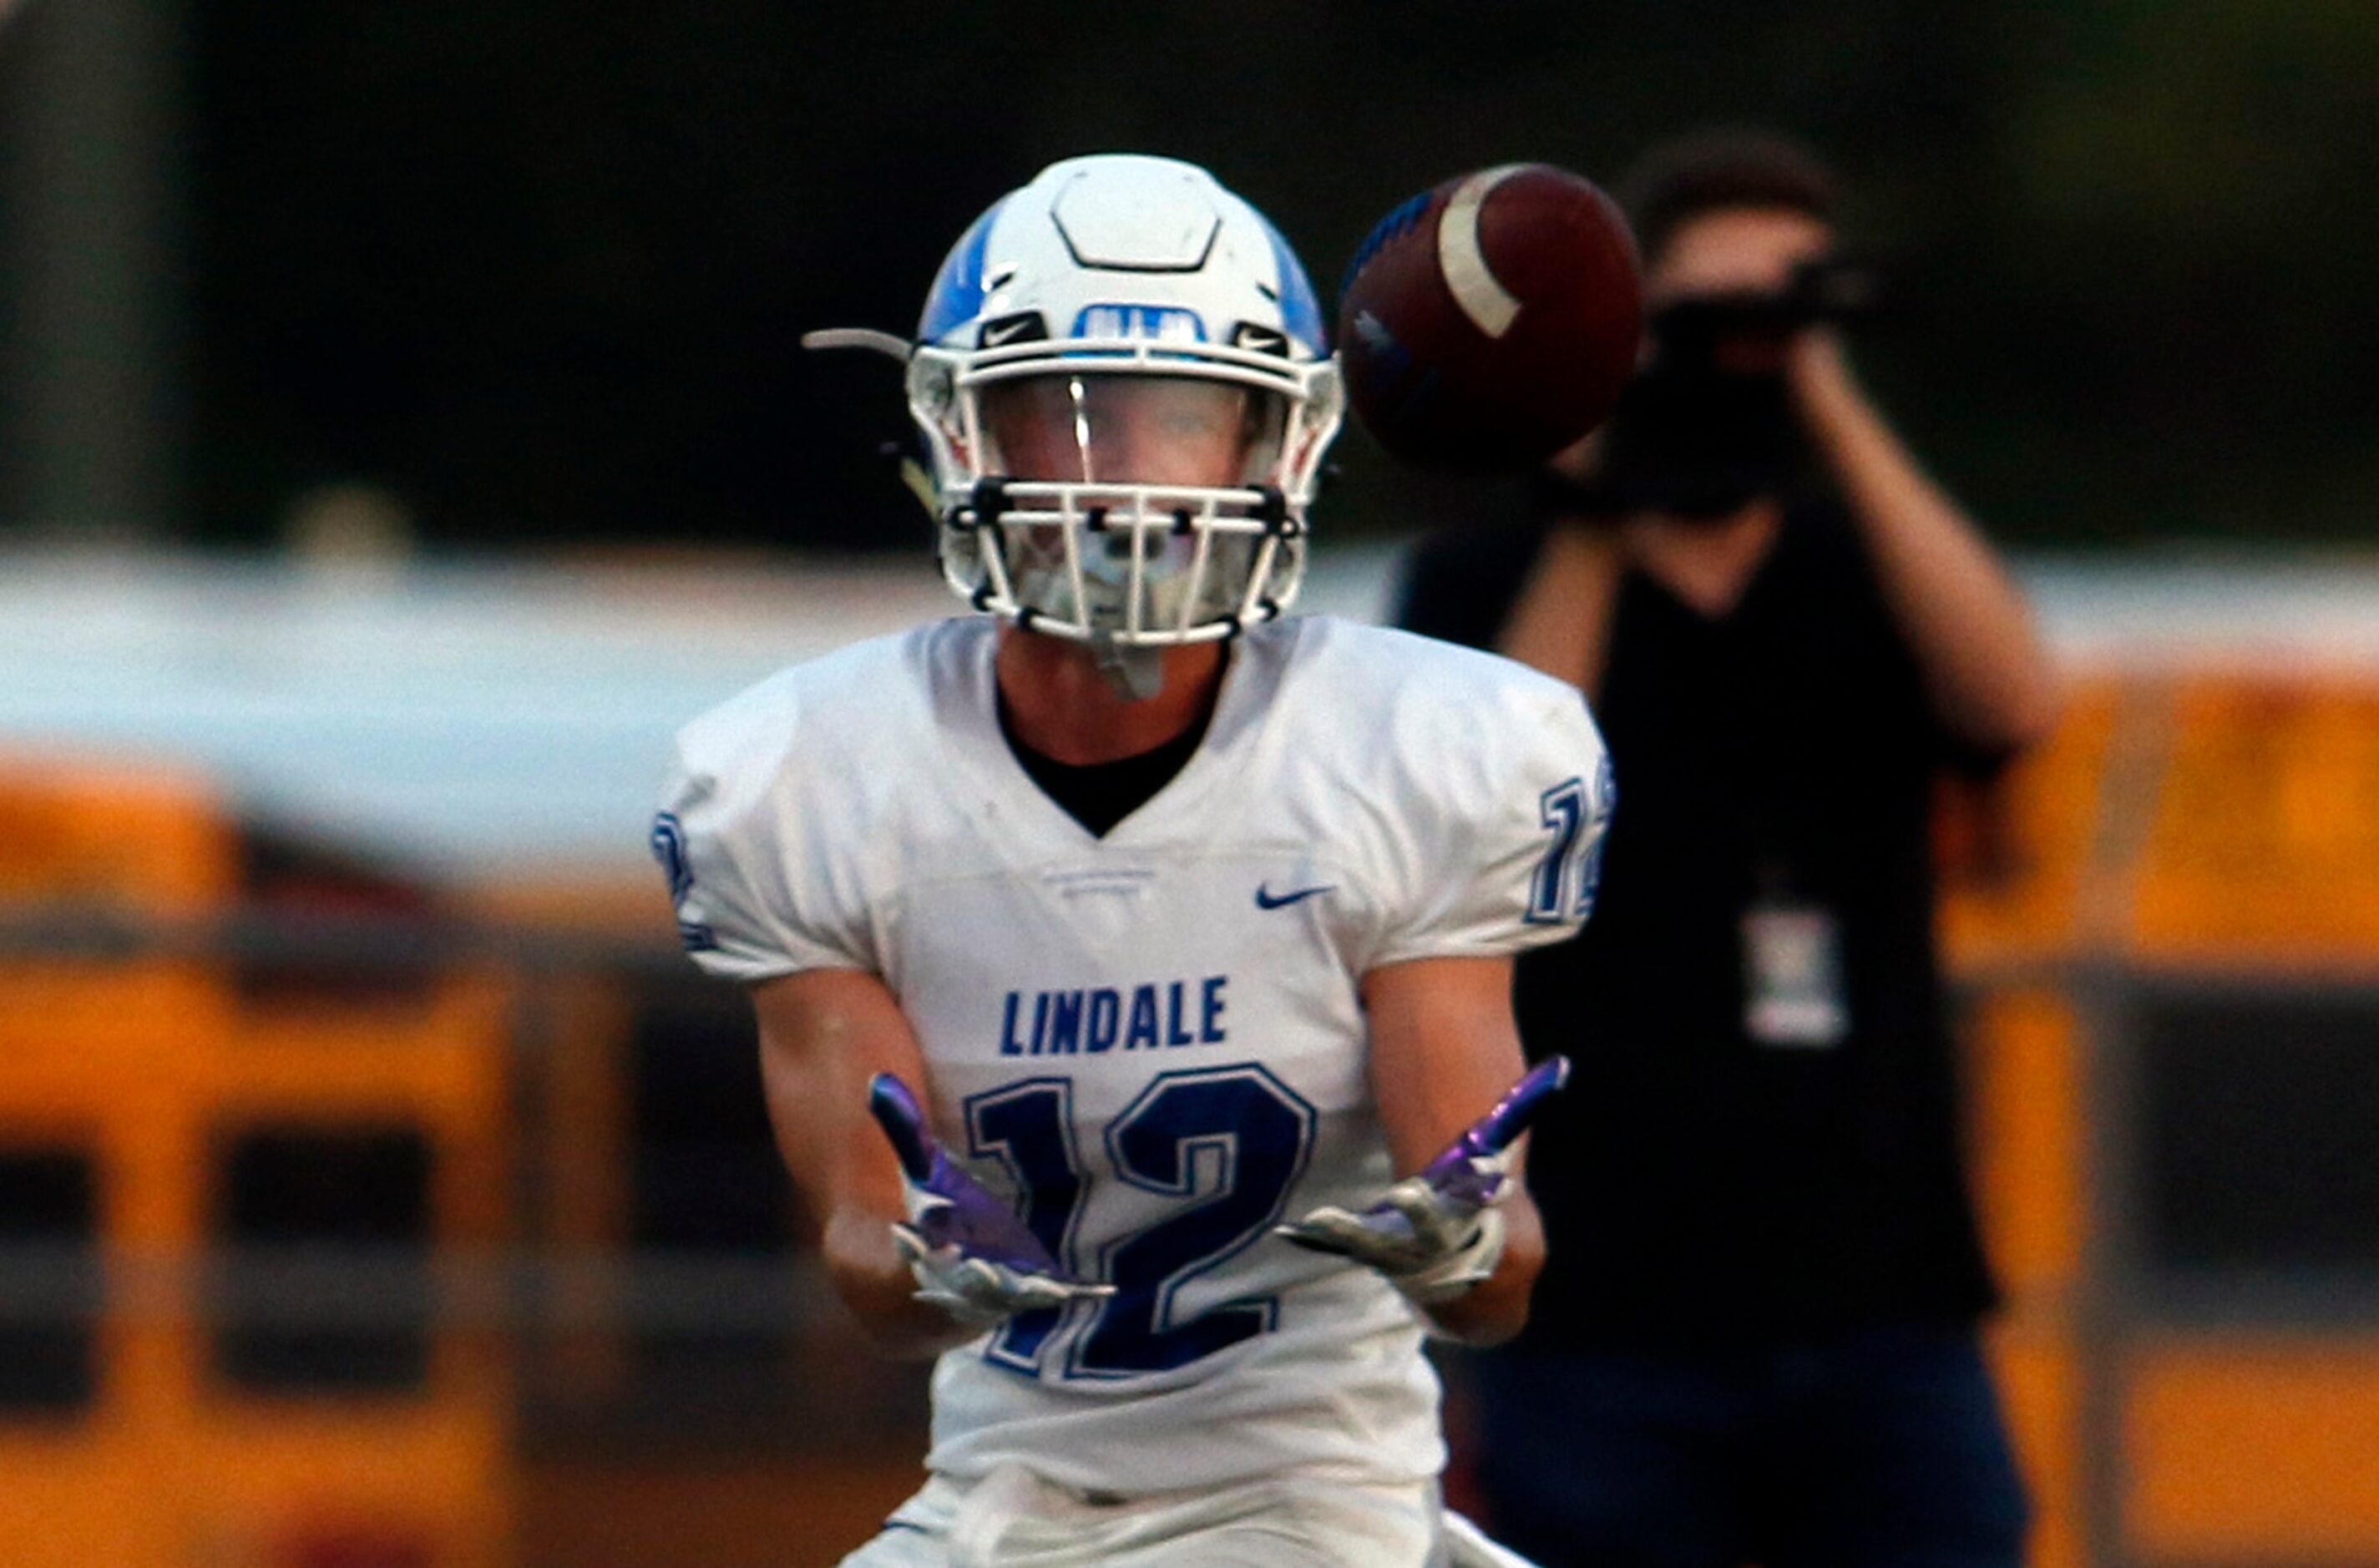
(1267, 899)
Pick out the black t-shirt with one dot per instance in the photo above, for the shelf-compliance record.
(1698, 1184)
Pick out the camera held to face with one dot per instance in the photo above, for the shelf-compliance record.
(1707, 424)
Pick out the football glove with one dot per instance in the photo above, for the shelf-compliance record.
(971, 1255)
(1436, 1234)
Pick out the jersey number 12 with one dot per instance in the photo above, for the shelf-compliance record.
(1229, 1142)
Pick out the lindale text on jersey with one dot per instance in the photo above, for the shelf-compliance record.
(1108, 1017)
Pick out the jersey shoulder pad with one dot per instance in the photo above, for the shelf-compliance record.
(1492, 775)
(1460, 718)
(764, 822)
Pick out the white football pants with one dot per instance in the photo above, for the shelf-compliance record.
(1013, 1519)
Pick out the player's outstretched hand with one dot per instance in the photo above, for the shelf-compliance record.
(971, 1256)
(1436, 1234)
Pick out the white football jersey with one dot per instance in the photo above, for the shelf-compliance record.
(1152, 1041)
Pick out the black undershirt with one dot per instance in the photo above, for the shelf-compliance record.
(1100, 794)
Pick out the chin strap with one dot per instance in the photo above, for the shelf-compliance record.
(1137, 673)
(868, 338)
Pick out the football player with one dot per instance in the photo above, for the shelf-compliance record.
(1132, 964)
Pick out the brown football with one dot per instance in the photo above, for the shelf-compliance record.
(1488, 323)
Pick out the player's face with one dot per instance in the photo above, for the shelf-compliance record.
(1129, 429)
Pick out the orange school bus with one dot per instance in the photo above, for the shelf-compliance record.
(2166, 925)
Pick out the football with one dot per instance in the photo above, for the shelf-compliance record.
(1488, 323)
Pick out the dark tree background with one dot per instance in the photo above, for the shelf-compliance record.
(540, 267)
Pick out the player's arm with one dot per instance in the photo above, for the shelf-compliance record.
(824, 1033)
(1443, 1048)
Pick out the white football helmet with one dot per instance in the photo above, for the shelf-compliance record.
(1126, 392)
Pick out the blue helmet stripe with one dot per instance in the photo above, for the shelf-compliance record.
(1300, 312)
(957, 296)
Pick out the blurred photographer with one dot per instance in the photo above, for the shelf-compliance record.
(1755, 1338)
